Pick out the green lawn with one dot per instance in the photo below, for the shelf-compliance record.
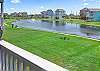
(78, 21)
(74, 53)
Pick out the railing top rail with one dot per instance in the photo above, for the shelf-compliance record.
(42, 63)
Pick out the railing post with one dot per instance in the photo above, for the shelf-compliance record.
(31, 68)
(1, 64)
(15, 64)
(7, 64)
(4, 60)
(11, 63)
(25, 67)
(20, 66)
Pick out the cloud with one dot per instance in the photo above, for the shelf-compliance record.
(88, 0)
(84, 0)
(42, 7)
(85, 4)
(12, 8)
(15, 1)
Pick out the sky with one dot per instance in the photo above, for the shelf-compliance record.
(36, 6)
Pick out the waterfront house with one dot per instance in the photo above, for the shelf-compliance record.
(22, 14)
(59, 14)
(5, 14)
(44, 14)
(50, 13)
(90, 14)
(47, 14)
(13, 14)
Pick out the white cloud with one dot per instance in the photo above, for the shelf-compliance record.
(92, 0)
(88, 0)
(42, 7)
(84, 0)
(12, 8)
(85, 4)
(15, 1)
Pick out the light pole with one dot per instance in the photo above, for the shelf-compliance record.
(2, 19)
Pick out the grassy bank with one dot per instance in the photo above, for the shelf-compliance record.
(73, 53)
(78, 21)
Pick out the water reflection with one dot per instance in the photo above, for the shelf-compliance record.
(57, 23)
(61, 26)
(90, 31)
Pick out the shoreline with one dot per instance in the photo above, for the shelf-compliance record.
(73, 35)
(68, 20)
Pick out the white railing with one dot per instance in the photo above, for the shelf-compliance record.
(13, 58)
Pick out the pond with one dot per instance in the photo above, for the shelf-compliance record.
(60, 26)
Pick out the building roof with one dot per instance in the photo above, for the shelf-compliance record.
(91, 9)
(60, 10)
(49, 10)
(94, 9)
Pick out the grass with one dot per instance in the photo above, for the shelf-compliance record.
(74, 53)
(78, 21)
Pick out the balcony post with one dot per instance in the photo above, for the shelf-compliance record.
(20, 66)
(25, 67)
(1, 60)
(15, 64)
(11, 63)
(7, 64)
(4, 60)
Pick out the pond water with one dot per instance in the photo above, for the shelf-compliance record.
(61, 26)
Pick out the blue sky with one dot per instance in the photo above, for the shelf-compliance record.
(36, 6)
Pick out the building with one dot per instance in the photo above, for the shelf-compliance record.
(90, 14)
(59, 14)
(50, 13)
(22, 14)
(37, 16)
(6, 14)
(47, 14)
(14, 14)
(44, 14)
